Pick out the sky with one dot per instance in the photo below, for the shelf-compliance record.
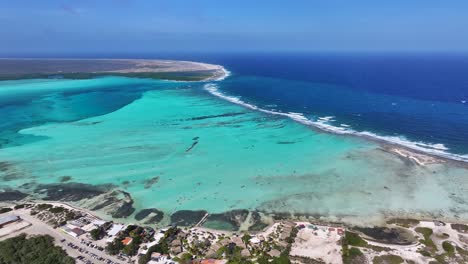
(150, 26)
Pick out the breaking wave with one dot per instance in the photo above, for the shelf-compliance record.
(323, 124)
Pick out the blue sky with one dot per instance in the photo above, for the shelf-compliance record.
(152, 26)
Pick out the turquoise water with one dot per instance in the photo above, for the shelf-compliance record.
(210, 154)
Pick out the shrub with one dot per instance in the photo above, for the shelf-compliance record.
(388, 259)
(97, 233)
(5, 210)
(448, 247)
(425, 231)
(354, 239)
(33, 250)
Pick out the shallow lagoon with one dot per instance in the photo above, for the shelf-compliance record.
(173, 146)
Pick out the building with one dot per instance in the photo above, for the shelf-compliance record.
(245, 253)
(116, 228)
(8, 219)
(98, 222)
(157, 258)
(72, 231)
(127, 241)
(210, 261)
(274, 253)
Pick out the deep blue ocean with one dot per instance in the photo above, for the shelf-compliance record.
(421, 99)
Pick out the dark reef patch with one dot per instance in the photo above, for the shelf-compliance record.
(234, 218)
(8, 173)
(187, 217)
(10, 195)
(87, 123)
(71, 191)
(142, 214)
(117, 203)
(195, 142)
(125, 210)
(125, 184)
(148, 183)
(257, 223)
(5, 166)
(28, 185)
(65, 178)
(124, 207)
(285, 142)
(387, 235)
(215, 116)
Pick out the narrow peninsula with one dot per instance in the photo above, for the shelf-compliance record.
(14, 69)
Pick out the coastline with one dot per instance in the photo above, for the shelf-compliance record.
(407, 239)
(414, 151)
(13, 69)
(388, 220)
(413, 156)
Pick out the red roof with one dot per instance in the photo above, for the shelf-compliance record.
(210, 261)
(127, 240)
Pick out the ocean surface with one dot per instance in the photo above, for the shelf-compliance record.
(283, 133)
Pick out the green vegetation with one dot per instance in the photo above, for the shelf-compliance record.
(351, 255)
(246, 238)
(97, 233)
(34, 250)
(354, 239)
(388, 259)
(114, 247)
(21, 206)
(5, 210)
(162, 247)
(463, 253)
(448, 247)
(57, 210)
(132, 248)
(426, 231)
(442, 235)
(174, 76)
(186, 258)
(136, 233)
(283, 259)
(427, 241)
(42, 207)
(425, 253)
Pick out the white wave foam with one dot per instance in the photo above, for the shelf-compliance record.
(226, 74)
(326, 118)
(322, 123)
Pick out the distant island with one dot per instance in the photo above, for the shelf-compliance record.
(14, 69)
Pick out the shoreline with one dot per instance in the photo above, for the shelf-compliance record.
(178, 70)
(312, 218)
(408, 239)
(412, 150)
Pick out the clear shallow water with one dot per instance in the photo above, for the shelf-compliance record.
(127, 131)
(421, 100)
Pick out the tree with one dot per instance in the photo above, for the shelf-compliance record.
(33, 250)
(97, 233)
(114, 247)
(131, 249)
(246, 238)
